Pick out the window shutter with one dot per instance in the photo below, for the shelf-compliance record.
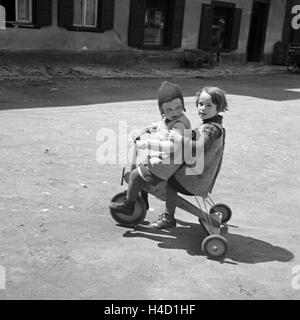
(106, 14)
(236, 29)
(65, 13)
(178, 15)
(136, 23)
(42, 12)
(205, 26)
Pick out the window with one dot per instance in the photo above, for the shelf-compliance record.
(2, 18)
(23, 11)
(33, 13)
(86, 15)
(220, 26)
(156, 23)
(154, 27)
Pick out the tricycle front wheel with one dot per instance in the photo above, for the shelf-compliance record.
(224, 209)
(138, 215)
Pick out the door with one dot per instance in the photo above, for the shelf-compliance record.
(155, 22)
(257, 30)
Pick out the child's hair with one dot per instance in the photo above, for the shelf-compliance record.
(217, 97)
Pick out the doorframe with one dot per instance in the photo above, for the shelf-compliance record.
(261, 54)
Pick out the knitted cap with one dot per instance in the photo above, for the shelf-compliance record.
(167, 92)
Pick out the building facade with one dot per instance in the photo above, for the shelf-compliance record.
(244, 30)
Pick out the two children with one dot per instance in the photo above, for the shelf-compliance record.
(208, 141)
(209, 137)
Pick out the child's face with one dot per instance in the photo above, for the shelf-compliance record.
(172, 109)
(206, 108)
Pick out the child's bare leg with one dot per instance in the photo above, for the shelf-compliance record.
(135, 185)
(167, 220)
(171, 200)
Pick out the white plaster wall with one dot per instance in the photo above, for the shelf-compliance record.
(54, 37)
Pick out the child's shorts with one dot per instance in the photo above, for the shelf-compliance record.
(147, 175)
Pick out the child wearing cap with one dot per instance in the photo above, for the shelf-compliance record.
(155, 169)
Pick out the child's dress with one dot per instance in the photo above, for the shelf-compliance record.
(201, 183)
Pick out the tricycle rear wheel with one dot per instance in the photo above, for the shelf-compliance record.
(215, 247)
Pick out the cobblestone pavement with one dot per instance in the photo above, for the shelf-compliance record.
(57, 238)
(49, 71)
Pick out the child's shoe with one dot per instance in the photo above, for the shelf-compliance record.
(125, 207)
(164, 221)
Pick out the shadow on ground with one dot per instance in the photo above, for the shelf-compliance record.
(189, 236)
(83, 92)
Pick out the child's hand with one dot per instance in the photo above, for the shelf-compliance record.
(142, 144)
(137, 134)
(151, 127)
(175, 136)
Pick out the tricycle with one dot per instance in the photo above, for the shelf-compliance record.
(211, 218)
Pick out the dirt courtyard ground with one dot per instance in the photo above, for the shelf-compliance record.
(58, 240)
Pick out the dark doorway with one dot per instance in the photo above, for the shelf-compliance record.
(294, 36)
(156, 22)
(257, 30)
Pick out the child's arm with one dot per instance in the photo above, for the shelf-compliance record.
(150, 128)
(209, 133)
(162, 145)
(155, 145)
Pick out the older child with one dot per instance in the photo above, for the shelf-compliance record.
(210, 138)
(155, 169)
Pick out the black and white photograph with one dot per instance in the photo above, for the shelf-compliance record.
(149, 152)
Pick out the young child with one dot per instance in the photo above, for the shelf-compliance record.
(155, 169)
(210, 139)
